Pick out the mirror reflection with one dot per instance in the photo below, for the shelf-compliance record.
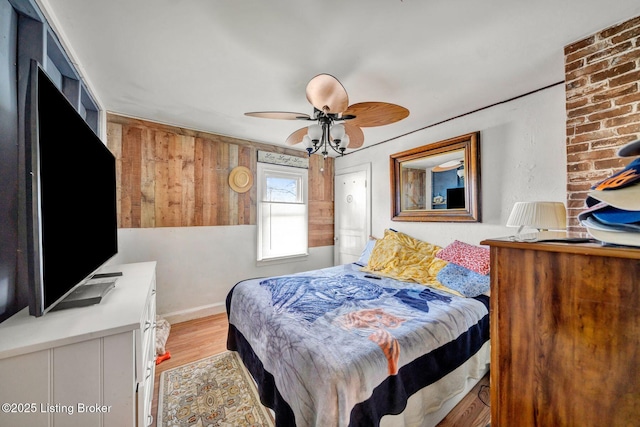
(437, 182)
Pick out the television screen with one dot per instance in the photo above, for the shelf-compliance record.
(71, 197)
(455, 198)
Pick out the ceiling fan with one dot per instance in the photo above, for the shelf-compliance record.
(338, 123)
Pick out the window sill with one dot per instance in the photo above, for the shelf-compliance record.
(282, 260)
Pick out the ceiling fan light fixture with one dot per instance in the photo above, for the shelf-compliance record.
(315, 132)
(337, 132)
(344, 143)
(330, 108)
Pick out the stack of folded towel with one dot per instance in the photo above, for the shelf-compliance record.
(613, 205)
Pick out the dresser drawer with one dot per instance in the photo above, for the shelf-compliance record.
(145, 337)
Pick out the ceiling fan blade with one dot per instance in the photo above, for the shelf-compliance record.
(296, 137)
(370, 114)
(327, 94)
(356, 136)
(282, 115)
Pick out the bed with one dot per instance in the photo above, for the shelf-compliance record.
(341, 346)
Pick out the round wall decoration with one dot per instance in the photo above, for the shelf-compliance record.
(240, 179)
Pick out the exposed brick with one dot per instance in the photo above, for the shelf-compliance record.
(577, 204)
(588, 177)
(589, 127)
(612, 72)
(579, 167)
(590, 155)
(611, 142)
(587, 90)
(634, 32)
(614, 50)
(581, 102)
(578, 148)
(575, 121)
(587, 51)
(585, 111)
(592, 136)
(581, 44)
(572, 85)
(624, 79)
(588, 70)
(620, 111)
(572, 66)
(613, 30)
(602, 75)
(629, 99)
(623, 120)
(616, 92)
(630, 55)
(574, 212)
(615, 163)
(631, 129)
(578, 191)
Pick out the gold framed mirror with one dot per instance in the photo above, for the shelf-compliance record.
(438, 181)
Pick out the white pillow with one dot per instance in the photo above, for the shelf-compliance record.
(366, 253)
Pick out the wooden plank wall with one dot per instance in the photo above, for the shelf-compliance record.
(174, 177)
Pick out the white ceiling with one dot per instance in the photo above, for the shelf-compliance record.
(201, 64)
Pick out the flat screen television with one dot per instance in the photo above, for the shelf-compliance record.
(70, 196)
(455, 198)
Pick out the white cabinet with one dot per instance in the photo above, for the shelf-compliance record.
(89, 366)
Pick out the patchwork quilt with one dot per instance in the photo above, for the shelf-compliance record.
(333, 347)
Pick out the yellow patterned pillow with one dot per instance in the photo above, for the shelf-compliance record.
(402, 257)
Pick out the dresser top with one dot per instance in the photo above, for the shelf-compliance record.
(120, 310)
(594, 249)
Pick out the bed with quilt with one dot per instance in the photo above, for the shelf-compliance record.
(391, 340)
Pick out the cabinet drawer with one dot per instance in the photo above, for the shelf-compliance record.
(145, 396)
(145, 337)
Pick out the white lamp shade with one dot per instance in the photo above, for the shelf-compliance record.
(314, 132)
(540, 215)
(344, 142)
(337, 131)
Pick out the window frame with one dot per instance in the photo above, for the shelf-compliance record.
(265, 171)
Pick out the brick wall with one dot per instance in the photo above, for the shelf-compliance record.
(602, 77)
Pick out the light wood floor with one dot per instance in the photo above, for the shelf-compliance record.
(200, 338)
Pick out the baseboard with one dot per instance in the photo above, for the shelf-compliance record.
(194, 313)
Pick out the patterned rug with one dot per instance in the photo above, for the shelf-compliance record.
(216, 391)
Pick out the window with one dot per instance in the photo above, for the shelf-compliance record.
(282, 211)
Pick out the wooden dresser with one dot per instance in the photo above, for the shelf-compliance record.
(565, 335)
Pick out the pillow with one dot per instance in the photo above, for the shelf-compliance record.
(402, 257)
(366, 253)
(475, 258)
(460, 279)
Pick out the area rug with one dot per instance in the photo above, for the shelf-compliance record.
(215, 391)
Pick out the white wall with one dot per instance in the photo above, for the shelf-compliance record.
(197, 266)
(523, 158)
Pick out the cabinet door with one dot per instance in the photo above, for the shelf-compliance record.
(119, 380)
(76, 378)
(19, 376)
(564, 338)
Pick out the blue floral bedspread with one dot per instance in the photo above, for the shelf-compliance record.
(331, 347)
